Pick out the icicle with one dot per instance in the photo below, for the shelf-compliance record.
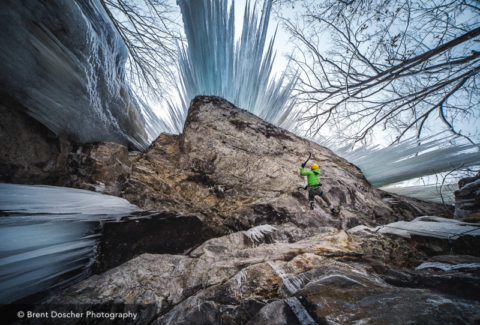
(241, 277)
(447, 267)
(59, 201)
(291, 283)
(424, 192)
(48, 236)
(68, 71)
(213, 64)
(410, 159)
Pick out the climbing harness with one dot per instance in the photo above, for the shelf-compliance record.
(307, 187)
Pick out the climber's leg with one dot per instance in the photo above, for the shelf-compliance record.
(311, 198)
(330, 205)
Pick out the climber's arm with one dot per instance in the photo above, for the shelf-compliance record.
(304, 173)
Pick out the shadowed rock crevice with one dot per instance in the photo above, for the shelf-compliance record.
(30, 153)
(166, 233)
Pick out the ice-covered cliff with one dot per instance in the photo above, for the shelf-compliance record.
(62, 62)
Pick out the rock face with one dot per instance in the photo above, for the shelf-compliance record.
(286, 275)
(30, 153)
(271, 260)
(237, 171)
(467, 198)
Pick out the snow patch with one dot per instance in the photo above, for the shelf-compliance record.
(257, 234)
(446, 266)
(431, 226)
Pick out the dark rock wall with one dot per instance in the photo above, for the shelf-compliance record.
(154, 233)
(467, 198)
(29, 152)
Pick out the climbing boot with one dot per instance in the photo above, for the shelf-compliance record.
(333, 210)
(311, 205)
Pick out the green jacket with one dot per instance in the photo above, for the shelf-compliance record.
(312, 176)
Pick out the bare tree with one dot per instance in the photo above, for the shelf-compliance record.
(391, 64)
(150, 32)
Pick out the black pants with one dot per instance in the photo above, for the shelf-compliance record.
(312, 192)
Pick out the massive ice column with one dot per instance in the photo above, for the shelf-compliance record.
(62, 62)
(412, 158)
(213, 63)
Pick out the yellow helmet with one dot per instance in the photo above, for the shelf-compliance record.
(314, 166)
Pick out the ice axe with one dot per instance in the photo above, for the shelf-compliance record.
(303, 166)
(305, 163)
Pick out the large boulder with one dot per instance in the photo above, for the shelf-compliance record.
(239, 171)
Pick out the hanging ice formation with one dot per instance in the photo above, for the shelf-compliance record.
(411, 159)
(48, 236)
(439, 193)
(63, 64)
(213, 64)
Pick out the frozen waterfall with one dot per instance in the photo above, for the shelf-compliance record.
(49, 235)
(241, 72)
(63, 63)
(412, 158)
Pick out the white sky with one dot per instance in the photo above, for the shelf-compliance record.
(283, 48)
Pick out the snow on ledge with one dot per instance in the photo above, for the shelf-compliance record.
(426, 226)
(447, 267)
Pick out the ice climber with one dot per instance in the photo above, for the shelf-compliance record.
(314, 186)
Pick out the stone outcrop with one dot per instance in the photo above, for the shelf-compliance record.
(236, 171)
(467, 198)
(30, 153)
(286, 275)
